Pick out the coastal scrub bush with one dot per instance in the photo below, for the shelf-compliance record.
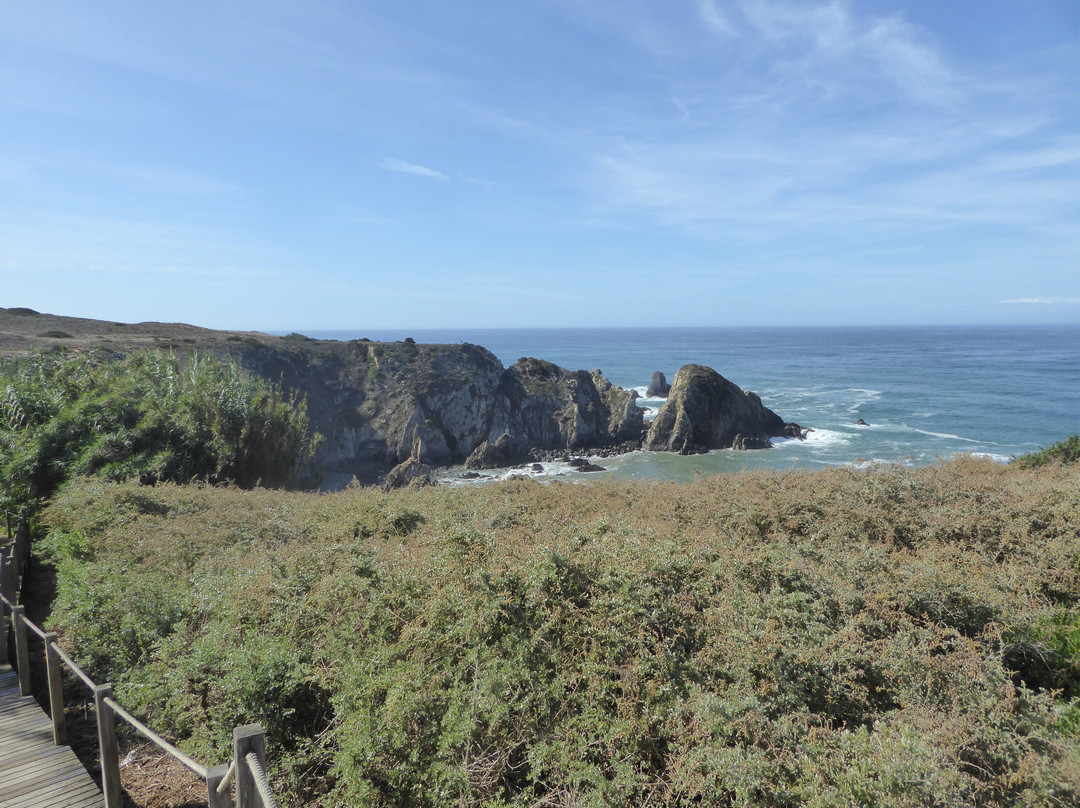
(147, 416)
(770, 639)
(1064, 452)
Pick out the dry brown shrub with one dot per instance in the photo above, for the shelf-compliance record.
(836, 637)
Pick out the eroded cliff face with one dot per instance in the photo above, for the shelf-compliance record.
(705, 411)
(549, 407)
(379, 404)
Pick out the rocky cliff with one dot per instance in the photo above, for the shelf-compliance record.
(705, 411)
(380, 404)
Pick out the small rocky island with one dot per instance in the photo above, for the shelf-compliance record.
(391, 412)
(705, 411)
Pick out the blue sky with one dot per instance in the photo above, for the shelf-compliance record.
(283, 165)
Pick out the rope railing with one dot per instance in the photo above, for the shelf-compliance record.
(259, 776)
(73, 667)
(32, 626)
(226, 781)
(247, 768)
(195, 767)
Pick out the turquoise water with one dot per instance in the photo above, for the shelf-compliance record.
(927, 392)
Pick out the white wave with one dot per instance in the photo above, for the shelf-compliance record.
(942, 435)
(863, 463)
(997, 458)
(816, 439)
(650, 405)
(540, 471)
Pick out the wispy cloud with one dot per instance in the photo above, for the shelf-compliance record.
(713, 18)
(821, 115)
(400, 166)
(1044, 301)
(828, 45)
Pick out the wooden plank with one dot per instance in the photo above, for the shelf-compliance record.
(58, 794)
(42, 766)
(20, 756)
(35, 773)
(58, 782)
(87, 796)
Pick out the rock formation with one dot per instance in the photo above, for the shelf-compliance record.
(500, 453)
(379, 404)
(706, 411)
(658, 387)
(412, 471)
(410, 407)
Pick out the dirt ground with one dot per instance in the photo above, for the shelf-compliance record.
(23, 330)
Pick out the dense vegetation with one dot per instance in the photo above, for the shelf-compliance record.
(1065, 452)
(148, 416)
(888, 637)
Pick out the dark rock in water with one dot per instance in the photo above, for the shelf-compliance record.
(590, 467)
(411, 472)
(610, 450)
(747, 442)
(792, 430)
(471, 475)
(500, 454)
(577, 462)
(706, 411)
(658, 387)
(537, 467)
(861, 422)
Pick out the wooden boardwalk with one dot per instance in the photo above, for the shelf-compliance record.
(33, 772)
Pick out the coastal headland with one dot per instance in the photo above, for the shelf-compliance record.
(886, 635)
(393, 411)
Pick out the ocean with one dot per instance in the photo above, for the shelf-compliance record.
(927, 393)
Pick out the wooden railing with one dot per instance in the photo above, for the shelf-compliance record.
(248, 767)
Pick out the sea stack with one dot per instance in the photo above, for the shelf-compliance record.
(706, 411)
(658, 387)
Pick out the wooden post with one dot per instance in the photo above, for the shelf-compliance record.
(16, 550)
(214, 776)
(110, 753)
(56, 690)
(22, 535)
(9, 576)
(22, 654)
(21, 547)
(3, 609)
(246, 739)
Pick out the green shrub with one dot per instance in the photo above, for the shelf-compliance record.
(1064, 452)
(797, 639)
(147, 416)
